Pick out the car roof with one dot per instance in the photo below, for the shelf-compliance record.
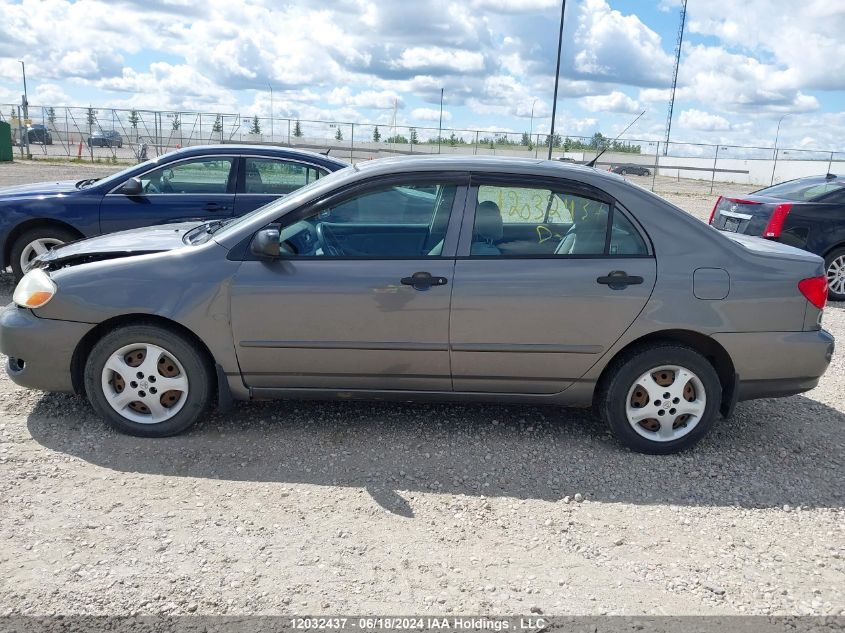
(276, 150)
(486, 164)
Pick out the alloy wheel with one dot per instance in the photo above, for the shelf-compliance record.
(36, 248)
(836, 275)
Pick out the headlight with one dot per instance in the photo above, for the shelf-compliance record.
(34, 290)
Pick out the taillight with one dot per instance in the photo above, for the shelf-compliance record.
(815, 290)
(775, 224)
(713, 212)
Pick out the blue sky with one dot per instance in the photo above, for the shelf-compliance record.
(744, 64)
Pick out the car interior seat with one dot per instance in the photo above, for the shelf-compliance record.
(586, 237)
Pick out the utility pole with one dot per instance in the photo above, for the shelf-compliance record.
(271, 111)
(440, 125)
(24, 131)
(557, 77)
(678, 44)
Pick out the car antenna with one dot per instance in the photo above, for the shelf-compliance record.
(592, 163)
(830, 176)
(326, 153)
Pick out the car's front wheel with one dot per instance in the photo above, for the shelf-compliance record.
(148, 381)
(834, 265)
(34, 242)
(661, 399)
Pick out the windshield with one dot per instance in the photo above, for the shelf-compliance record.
(801, 190)
(300, 195)
(124, 173)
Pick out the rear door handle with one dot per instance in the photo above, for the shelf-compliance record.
(423, 281)
(619, 280)
(215, 206)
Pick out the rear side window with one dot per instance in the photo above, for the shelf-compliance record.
(528, 221)
(802, 191)
(277, 177)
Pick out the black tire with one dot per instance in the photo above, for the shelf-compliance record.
(624, 172)
(57, 233)
(194, 363)
(828, 260)
(613, 395)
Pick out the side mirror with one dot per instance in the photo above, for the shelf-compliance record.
(132, 187)
(265, 244)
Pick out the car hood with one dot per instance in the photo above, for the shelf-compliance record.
(39, 188)
(143, 241)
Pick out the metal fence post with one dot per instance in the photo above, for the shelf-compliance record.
(713, 175)
(656, 165)
(352, 143)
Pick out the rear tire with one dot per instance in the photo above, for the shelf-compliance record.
(834, 266)
(32, 242)
(660, 399)
(148, 381)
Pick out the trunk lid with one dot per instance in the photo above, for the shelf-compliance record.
(748, 215)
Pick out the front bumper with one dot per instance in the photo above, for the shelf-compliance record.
(40, 351)
(775, 364)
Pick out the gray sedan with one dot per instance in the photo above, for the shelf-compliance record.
(463, 279)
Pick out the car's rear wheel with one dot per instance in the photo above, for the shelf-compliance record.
(34, 242)
(835, 271)
(148, 381)
(624, 172)
(661, 399)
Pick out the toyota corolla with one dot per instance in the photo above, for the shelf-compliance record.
(463, 279)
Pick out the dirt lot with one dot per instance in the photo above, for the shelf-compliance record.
(296, 507)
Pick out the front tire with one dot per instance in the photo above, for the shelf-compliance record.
(660, 400)
(34, 242)
(148, 381)
(834, 265)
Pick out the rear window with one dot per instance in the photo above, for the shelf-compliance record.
(802, 191)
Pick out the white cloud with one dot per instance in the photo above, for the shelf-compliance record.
(430, 114)
(616, 101)
(698, 120)
(425, 58)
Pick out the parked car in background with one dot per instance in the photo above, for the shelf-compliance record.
(196, 183)
(105, 138)
(808, 213)
(637, 170)
(437, 278)
(39, 133)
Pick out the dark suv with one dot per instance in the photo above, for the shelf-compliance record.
(105, 138)
(39, 133)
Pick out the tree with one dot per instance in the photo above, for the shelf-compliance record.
(91, 116)
(297, 129)
(414, 138)
(51, 116)
(338, 136)
(176, 122)
(376, 135)
(526, 140)
(255, 128)
(134, 119)
(598, 141)
(453, 140)
(397, 139)
(218, 125)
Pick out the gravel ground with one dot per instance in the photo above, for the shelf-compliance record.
(298, 507)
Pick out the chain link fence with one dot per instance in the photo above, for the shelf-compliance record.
(122, 136)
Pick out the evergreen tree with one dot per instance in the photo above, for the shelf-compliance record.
(134, 119)
(297, 129)
(376, 135)
(51, 116)
(176, 122)
(256, 127)
(338, 136)
(414, 138)
(218, 125)
(91, 116)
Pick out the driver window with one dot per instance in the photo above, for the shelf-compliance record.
(202, 175)
(396, 221)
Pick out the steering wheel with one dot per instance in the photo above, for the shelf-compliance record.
(151, 188)
(328, 241)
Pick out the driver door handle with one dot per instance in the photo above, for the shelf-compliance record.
(215, 206)
(423, 281)
(619, 280)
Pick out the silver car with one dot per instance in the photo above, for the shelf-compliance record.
(463, 279)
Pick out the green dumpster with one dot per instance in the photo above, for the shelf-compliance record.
(5, 141)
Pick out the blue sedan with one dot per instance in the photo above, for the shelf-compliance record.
(197, 183)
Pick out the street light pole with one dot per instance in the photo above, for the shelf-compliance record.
(271, 111)
(25, 134)
(777, 136)
(440, 125)
(531, 127)
(557, 77)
